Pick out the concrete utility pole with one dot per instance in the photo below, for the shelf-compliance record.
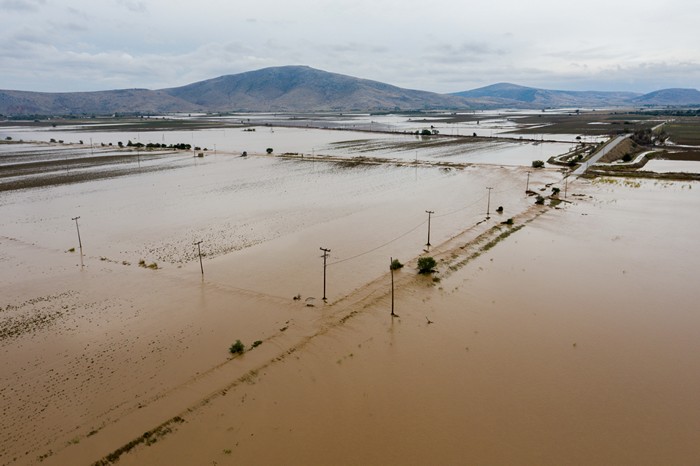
(488, 204)
(199, 250)
(80, 243)
(429, 212)
(325, 258)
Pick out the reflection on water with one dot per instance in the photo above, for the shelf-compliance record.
(672, 166)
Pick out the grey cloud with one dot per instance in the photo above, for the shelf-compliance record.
(137, 6)
(356, 48)
(70, 26)
(448, 54)
(590, 53)
(22, 5)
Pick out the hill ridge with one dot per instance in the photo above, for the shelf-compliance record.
(301, 88)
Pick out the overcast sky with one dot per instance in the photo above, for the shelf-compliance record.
(438, 45)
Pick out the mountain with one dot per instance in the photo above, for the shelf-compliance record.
(301, 88)
(512, 95)
(673, 97)
(305, 89)
(97, 103)
(279, 89)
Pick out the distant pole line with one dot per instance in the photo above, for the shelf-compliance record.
(80, 243)
(325, 259)
(199, 250)
(527, 185)
(430, 213)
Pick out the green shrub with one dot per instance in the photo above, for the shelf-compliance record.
(537, 164)
(540, 200)
(256, 343)
(237, 348)
(426, 264)
(269, 150)
(395, 264)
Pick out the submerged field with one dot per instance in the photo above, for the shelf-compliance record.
(567, 336)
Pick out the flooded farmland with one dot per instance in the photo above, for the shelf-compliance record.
(548, 334)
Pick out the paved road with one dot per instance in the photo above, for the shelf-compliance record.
(584, 166)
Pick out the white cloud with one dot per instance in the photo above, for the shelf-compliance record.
(443, 46)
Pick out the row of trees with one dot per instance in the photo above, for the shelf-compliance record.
(151, 145)
(645, 137)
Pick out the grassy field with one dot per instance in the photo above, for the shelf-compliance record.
(684, 131)
(589, 124)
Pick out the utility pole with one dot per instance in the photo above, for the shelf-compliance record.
(80, 243)
(488, 204)
(391, 262)
(527, 185)
(566, 184)
(325, 258)
(199, 250)
(429, 212)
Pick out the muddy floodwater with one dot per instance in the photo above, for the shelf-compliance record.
(566, 333)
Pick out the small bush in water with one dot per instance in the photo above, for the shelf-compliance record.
(237, 348)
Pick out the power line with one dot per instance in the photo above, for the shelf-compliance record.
(380, 246)
(462, 208)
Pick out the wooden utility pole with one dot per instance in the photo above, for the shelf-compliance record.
(391, 268)
(488, 204)
(325, 258)
(429, 212)
(80, 243)
(527, 185)
(199, 250)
